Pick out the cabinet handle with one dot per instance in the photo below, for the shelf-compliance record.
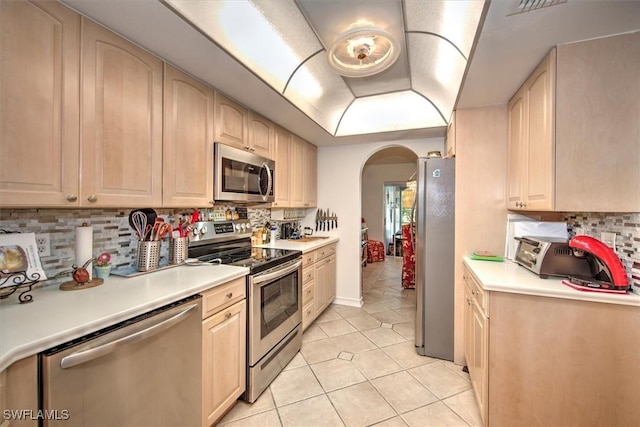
(228, 315)
(473, 292)
(524, 205)
(229, 295)
(246, 147)
(72, 198)
(252, 149)
(211, 202)
(468, 301)
(92, 198)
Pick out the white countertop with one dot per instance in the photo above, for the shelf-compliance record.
(56, 316)
(301, 246)
(510, 277)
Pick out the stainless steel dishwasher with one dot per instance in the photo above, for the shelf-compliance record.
(145, 371)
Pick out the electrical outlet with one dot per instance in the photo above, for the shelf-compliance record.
(608, 239)
(43, 241)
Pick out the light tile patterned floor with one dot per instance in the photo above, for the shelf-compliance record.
(359, 367)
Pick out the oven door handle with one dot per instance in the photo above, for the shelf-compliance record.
(257, 279)
(88, 355)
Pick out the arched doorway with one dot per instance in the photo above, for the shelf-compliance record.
(385, 197)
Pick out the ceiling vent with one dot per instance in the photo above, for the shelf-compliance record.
(521, 6)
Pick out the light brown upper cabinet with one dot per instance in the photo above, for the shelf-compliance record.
(39, 100)
(530, 166)
(261, 136)
(300, 170)
(187, 141)
(297, 162)
(450, 141)
(121, 121)
(574, 133)
(283, 168)
(598, 125)
(231, 122)
(310, 172)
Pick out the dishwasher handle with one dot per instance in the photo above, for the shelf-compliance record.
(85, 356)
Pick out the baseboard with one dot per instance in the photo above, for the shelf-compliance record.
(349, 302)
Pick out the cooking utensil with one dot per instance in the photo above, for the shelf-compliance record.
(195, 216)
(138, 221)
(149, 212)
(156, 228)
(163, 230)
(317, 218)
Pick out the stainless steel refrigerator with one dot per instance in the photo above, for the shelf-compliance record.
(434, 246)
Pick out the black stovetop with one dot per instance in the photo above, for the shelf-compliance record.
(240, 253)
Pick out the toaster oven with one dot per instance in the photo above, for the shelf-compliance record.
(550, 256)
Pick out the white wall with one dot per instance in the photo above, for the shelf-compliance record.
(339, 190)
(373, 179)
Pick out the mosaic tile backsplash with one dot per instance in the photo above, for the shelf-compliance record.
(111, 233)
(627, 229)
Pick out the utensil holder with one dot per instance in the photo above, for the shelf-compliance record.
(178, 250)
(148, 255)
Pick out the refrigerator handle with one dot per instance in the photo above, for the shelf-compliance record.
(412, 224)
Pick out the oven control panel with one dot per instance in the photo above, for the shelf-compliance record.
(218, 230)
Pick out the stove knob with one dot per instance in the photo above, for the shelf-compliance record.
(203, 230)
(237, 227)
(244, 226)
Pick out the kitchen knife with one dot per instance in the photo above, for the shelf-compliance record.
(324, 222)
(317, 216)
(331, 221)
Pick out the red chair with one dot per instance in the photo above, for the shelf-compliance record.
(408, 259)
(375, 251)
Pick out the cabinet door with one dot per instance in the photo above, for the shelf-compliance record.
(297, 171)
(121, 121)
(540, 171)
(516, 149)
(231, 123)
(468, 327)
(479, 369)
(321, 285)
(332, 276)
(261, 137)
(39, 100)
(598, 125)
(450, 141)
(310, 176)
(283, 168)
(223, 361)
(188, 140)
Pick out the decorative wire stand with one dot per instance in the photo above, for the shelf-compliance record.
(20, 281)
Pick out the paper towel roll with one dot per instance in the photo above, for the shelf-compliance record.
(84, 247)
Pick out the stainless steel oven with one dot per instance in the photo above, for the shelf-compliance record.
(241, 176)
(275, 316)
(274, 289)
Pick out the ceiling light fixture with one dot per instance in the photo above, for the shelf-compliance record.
(362, 52)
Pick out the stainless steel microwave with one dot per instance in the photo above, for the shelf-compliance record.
(241, 176)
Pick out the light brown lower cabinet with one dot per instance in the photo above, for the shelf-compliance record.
(19, 393)
(318, 282)
(476, 340)
(553, 361)
(224, 357)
